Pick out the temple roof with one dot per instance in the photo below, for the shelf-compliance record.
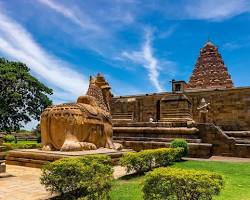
(210, 70)
(209, 43)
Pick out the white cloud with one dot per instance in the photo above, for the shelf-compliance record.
(84, 21)
(18, 44)
(215, 9)
(167, 33)
(232, 45)
(89, 29)
(147, 59)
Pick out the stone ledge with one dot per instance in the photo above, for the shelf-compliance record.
(162, 130)
(36, 158)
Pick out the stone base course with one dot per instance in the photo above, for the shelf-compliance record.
(36, 158)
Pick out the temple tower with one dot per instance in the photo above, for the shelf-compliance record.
(210, 70)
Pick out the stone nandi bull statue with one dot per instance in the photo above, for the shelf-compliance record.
(84, 125)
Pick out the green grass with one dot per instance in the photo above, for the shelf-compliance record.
(237, 181)
(21, 144)
(26, 142)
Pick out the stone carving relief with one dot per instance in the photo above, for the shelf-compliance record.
(203, 109)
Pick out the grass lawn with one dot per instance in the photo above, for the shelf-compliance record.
(26, 142)
(237, 181)
(21, 144)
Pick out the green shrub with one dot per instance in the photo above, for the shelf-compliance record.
(166, 156)
(11, 146)
(181, 184)
(89, 177)
(9, 138)
(38, 138)
(146, 160)
(138, 162)
(181, 143)
(7, 146)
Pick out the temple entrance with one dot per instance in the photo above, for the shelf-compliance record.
(158, 110)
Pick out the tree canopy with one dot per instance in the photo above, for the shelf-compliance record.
(22, 96)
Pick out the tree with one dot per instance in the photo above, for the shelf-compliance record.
(22, 96)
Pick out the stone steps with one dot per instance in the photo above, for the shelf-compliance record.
(242, 141)
(121, 120)
(123, 117)
(238, 134)
(119, 138)
(174, 124)
(196, 150)
(157, 130)
(241, 137)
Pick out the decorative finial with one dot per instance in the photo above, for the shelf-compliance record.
(209, 42)
(208, 39)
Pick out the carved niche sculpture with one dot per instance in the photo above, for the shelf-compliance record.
(203, 109)
(84, 125)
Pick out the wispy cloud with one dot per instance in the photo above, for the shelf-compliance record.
(146, 58)
(98, 29)
(83, 21)
(212, 10)
(231, 45)
(17, 43)
(216, 9)
(151, 63)
(237, 44)
(167, 33)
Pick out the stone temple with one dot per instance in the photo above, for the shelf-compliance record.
(209, 112)
(210, 70)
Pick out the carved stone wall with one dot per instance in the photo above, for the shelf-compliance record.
(229, 108)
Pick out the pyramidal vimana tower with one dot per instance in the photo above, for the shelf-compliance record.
(210, 70)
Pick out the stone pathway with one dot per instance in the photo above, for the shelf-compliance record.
(23, 182)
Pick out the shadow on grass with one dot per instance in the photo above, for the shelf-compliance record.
(131, 176)
(141, 174)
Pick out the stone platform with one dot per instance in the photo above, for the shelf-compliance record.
(36, 158)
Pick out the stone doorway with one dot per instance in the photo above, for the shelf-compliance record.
(158, 110)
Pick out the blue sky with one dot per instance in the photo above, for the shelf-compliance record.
(138, 45)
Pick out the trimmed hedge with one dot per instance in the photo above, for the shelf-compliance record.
(11, 146)
(181, 184)
(89, 177)
(180, 143)
(146, 160)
